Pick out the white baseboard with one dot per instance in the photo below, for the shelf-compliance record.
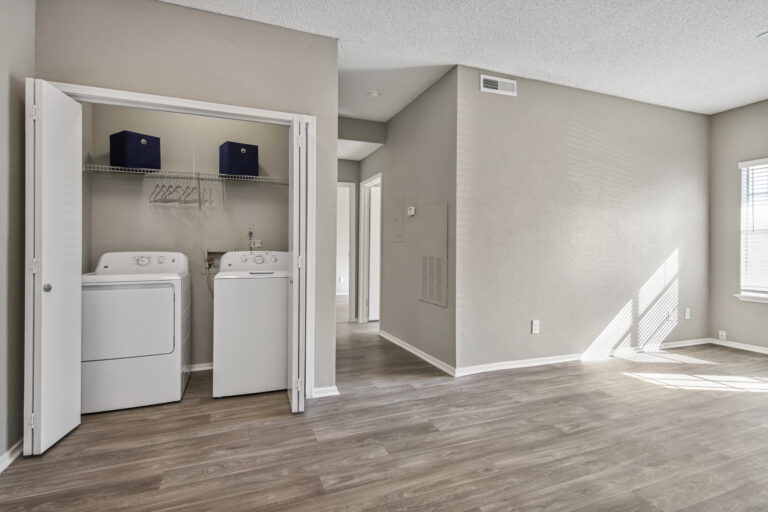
(740, 346)
(9, 456)
(450, 370)
(685, 343)
(518, 363)
(539, 361)
(323, 392)
(201, 367)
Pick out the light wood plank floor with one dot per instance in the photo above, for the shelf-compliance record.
(685, 431)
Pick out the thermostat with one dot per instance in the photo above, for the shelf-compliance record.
(411, 211)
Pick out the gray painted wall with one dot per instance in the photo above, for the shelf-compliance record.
(419, 168)
(152, 47)
(17, 61)
(349, 171)
(736, 135)
(568, 204)
(363, 130)
(119, 217)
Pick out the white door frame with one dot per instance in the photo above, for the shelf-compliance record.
(305, 144)
(365, 245)
(352, 247)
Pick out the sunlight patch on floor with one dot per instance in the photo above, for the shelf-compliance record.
(704, 382)
(661, 357)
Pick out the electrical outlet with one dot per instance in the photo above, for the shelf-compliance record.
(721, 335)
(535, 327)
(687, 313)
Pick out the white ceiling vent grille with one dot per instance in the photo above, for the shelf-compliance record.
(498, 85)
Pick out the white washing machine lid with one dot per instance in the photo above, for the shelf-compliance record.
(253, 274)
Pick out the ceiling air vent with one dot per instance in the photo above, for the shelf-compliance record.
(498, 85)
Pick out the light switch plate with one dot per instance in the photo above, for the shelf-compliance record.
(687, 313)
(535, 327)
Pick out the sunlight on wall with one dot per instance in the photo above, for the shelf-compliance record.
(645, 321)
(614, 335)
(704, 382)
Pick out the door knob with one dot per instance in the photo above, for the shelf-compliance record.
(47, 287)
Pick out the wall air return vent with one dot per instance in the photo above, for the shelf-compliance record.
(498, 85)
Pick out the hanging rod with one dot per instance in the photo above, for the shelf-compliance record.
(177, 174)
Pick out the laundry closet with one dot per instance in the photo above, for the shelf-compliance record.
(163, 242)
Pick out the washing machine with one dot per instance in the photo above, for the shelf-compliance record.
(136, 330)
(250, 323)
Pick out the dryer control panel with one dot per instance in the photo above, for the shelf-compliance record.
(255, 260)
(148, 262)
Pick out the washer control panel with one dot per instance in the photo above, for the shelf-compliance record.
(255, 260)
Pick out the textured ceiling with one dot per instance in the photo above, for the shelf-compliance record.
(696, 55)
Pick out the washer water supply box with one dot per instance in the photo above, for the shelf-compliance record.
(238, 158)
(134, 150)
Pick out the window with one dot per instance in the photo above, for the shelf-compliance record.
(754, 228)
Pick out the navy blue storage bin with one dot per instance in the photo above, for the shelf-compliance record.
(238, 158)
(136, 150)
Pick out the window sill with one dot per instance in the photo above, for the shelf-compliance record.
(752, 297)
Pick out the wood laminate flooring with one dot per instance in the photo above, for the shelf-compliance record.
(682, 431)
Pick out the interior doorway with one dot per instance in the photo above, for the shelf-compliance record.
(346, 252)
(370, 249)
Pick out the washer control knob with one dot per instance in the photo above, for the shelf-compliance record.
(142, 261)
(161, 259)
(274, 259)
(244, 258)
(258, 259)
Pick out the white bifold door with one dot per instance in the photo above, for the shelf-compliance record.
(297, 246)
(53, 263)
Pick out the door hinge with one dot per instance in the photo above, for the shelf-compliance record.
(299, 385)
(299, 261)
(35, 265)
(32, 418)
(35, 113)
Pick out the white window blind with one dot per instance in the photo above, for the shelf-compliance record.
(754, 226)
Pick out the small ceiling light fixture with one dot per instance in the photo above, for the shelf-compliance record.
(764, 35)
(373, 94)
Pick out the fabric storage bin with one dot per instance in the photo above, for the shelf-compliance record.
(135, 150)
(238, 158)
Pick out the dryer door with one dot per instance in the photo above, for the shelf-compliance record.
(127, 320)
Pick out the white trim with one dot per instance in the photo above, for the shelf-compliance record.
(104, 96)
(740, 346)
(352, 315)
(201, 367)
(311, 273)
(364, 255)
(365, 245)
(753, 163)
(9, 456)
(685, 343)
(518, 363)
(752, 297)
(324, 391)
(450, 370)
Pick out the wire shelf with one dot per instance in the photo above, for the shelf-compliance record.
(191, 175)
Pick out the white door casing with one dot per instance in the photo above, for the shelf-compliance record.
(364, 254)
(374, 268)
